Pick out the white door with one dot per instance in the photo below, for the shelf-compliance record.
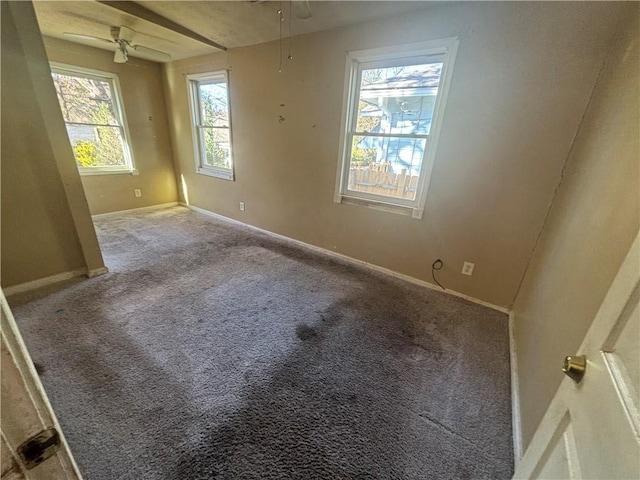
(592, 428)
(33, 446)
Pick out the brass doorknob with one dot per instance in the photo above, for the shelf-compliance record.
(574, 367)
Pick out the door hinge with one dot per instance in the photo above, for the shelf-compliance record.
(39, 447)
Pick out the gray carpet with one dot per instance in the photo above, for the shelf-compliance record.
(211, 351)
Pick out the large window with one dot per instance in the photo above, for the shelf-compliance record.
(211, 123)
(94, 117)
(394, 104)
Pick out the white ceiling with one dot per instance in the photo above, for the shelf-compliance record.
(231, 23)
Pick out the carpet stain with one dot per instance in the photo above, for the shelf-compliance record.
(305, 332)
(330, 318)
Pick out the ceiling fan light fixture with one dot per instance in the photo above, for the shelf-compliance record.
(121, 54)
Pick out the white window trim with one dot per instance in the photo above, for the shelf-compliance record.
(194, 113)
(118, 106)
(446, 49)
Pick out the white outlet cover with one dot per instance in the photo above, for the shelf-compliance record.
(242, 206)
(467, 268)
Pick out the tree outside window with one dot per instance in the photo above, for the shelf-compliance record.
(92, 114)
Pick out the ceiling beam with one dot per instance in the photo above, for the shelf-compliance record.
(137, 10)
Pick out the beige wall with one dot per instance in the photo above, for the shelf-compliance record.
(45, 220)
(143, 98)
(522, 80)
(591, 226)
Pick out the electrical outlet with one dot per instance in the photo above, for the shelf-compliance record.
(242, 206)
(467, 268)
(137, 192)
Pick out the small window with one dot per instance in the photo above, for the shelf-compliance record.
(211, 122)
(393, 109)
(92, 111)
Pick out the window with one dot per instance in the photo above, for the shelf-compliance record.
(211, 122)
(393, 109)
(92, 110)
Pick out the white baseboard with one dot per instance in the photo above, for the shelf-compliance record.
(97, 272)
(370, 266)
(515, 395)
(160, 206)
(43, 282)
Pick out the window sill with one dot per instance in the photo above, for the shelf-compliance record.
(214, 172)
(383, 206)
(89, 173)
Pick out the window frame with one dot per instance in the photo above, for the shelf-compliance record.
(118, 109)
(441, 50)
(195, 112)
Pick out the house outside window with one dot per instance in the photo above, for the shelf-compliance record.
(94, 116)
(211, 123)
(393, 108)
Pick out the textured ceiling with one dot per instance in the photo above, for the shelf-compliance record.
(232, 24)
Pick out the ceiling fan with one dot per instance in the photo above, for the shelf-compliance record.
(123, 39)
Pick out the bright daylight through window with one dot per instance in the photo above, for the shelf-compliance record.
(394, 105)
(92, 111)
(209, 97)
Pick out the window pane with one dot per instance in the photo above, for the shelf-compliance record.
(398, 99)
(388, 166)
(216, 147)
(85, 100)
(213, 101)
(96, 146)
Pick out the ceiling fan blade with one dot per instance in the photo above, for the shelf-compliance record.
(301, 9)
(87, 37)
(125, 33)
(152, 54)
